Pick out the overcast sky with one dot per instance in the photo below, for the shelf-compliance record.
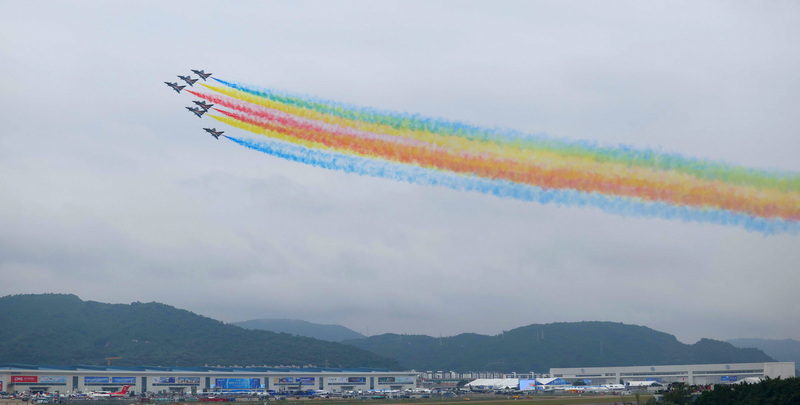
(110, 190)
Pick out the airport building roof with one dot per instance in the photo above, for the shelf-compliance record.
(204, 369)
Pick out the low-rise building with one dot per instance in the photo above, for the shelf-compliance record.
(694, 374)
(81, 378)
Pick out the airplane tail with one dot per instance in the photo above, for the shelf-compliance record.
(125, 389)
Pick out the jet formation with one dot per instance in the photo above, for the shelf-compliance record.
(205, 106)
(201, 73)
(197, 111)
(175, 86)
(214, 132)
(202, 106)
(188, 79)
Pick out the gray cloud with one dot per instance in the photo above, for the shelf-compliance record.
(111, 191)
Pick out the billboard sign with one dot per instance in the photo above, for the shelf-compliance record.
(123, 380)
(396, 380)
(35, 379)
(176, 380)
(95, 380)
(52, 379)
(238, 383)
(527, 385)
(347, 380)
(163, 380)
(283, 380)
(294, 380)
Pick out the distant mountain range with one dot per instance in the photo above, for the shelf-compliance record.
(781, 350)
(331, 333)
(62, 329)
(540, 347)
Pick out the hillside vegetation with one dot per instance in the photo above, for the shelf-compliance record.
(540, 347)
(772, 392)
(331, 333)
(62, 329)
(781, 350)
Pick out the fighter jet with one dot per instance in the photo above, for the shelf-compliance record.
(202, 74)
(205, 106)
(214, 132)
(175, 86)
(188, 79)
(198, 112)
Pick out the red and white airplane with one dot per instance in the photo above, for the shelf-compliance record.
(109, 394)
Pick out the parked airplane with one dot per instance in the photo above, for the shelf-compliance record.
(109, 394)
(188, 79)
(198, 112)
(595, 388)
(214, 132)
(203, 105)
(202, 74)
(175, 86)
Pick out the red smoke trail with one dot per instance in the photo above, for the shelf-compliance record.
(290, 120)
(521, 172)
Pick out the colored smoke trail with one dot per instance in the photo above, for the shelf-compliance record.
(625, 154)
(289, 120)
(503, 163)
(506, 189)
(520, 172)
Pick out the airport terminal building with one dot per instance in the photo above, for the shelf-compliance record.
(695, 374)
(80, 378)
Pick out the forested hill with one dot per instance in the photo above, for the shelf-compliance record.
(331, 333)
(781, 350)
(540, 347)
(62, 329)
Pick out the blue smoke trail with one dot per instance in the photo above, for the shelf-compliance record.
(507, 189)
(702, 168)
